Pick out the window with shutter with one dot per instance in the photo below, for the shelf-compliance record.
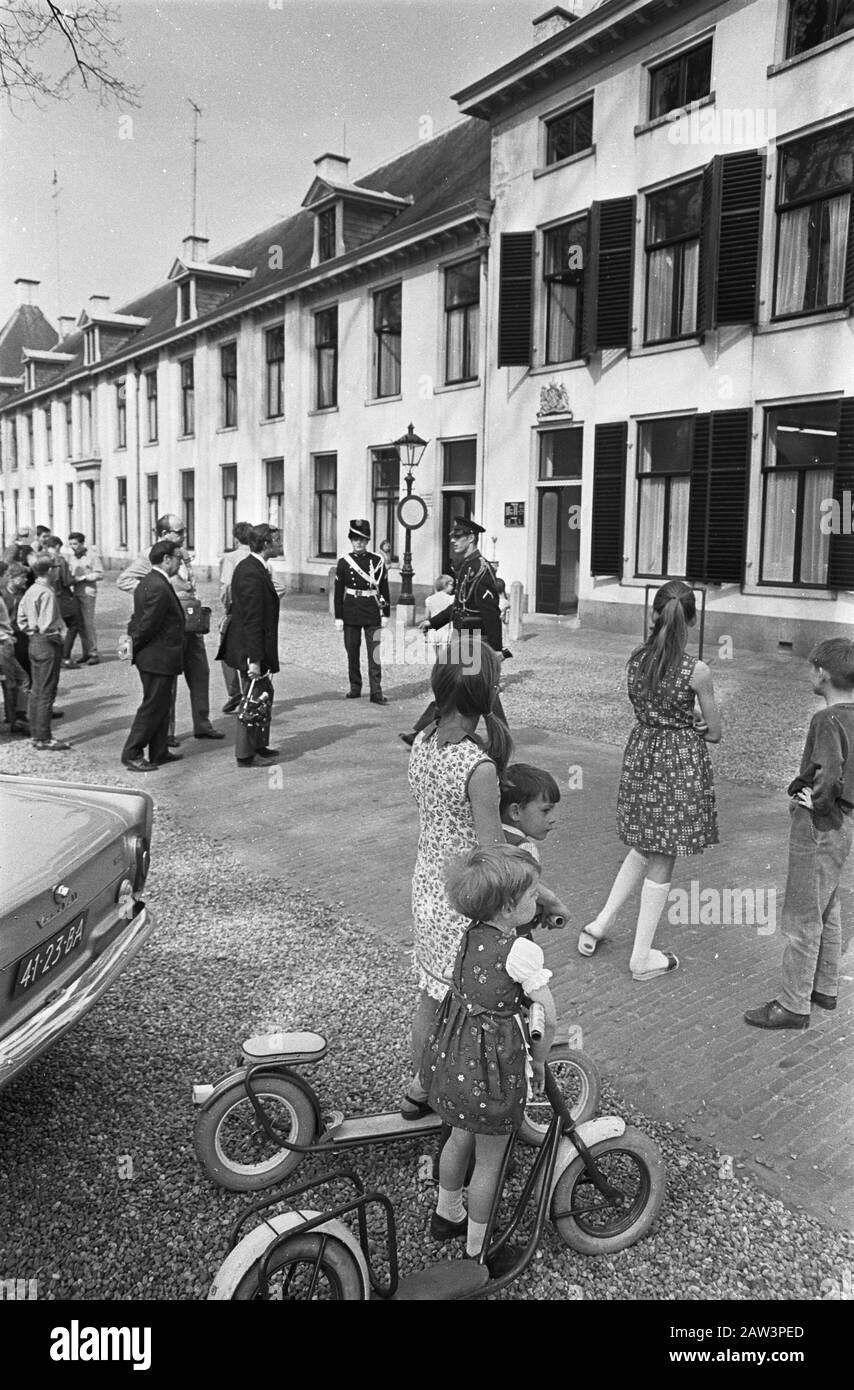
(840, 571)
(515, 299)
(731, 239)
(610, 267)
(609, 486)
(717, 513)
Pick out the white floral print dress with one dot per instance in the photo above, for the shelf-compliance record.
(439, 778)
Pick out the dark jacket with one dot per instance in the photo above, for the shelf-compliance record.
(157, 626)
(365, 576)
(253, 628)
(475, 602)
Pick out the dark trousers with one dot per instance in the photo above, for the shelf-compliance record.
(353, 646)
(197, 674)
(16, 682)
(45, 655)
(249, 739)
(150, 728)
(73, 619)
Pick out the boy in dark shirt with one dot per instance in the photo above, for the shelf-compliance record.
(820, 841)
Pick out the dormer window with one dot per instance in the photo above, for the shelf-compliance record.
(326, 230)
(91, 346)
(29, 376)
(186, 301)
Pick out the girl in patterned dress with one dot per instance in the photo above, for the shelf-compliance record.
(475, 1064)
(666, 801)
(454, 779)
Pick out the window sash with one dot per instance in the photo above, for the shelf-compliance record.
(671, 295)
(811, 253)
(151, 406)
(798, 476)
(122, 490)
(569, 133)
(326, 238)
(326, 503)
(228, 364)
(822, 20)
(387, 341)
(48, 432)
(275, 345)
(680, 81)
(662, 546)
(188, 397)
(121, 416)
(461, 336)
(326, 357)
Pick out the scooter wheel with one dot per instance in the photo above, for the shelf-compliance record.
(578, 1079)
(585, 1220)
(308, 1267)
(233, 1149)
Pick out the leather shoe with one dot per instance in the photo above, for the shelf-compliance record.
(379, 700)
(266, 752)
(441, 1229)
(408, 739)
(248, 762)
(57, 714)
(824, 1001)
(208, 733)
(231, 705)
(170, 758)
(353, 695)
(773, 1015)
(139, 765)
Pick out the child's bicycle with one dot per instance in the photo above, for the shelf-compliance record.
(601, 1182)
(256, 1125)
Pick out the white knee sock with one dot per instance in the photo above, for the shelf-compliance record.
(475, 1237)
(628, 878)
(449, 1205)
(653, 899)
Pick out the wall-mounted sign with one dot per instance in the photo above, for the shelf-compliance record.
(514, 513)
(412, 512)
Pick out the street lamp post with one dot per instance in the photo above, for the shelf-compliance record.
(412, 513)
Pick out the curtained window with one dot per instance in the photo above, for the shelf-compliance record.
(664, 489)
(813, 209)
(673, 218)
(326, 357)
(462, 313)
(569, 133)
(680, 80)
(564, 259)
(801, 446)
(812, 22)
(387, 335)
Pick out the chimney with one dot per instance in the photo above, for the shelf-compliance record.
(66, 324)
(98, 304)
(26, 290)
(332, 167)
(194, 248)
(556, 19)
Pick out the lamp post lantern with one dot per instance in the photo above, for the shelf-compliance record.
(411, 513)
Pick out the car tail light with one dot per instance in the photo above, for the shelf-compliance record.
(141, 861)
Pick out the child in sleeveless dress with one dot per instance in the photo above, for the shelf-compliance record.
(475, 1067)
(666, 802)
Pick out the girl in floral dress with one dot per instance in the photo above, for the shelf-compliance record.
(454, 780)
(476, 1062)
(666, 801)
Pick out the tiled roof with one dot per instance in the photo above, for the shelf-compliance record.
(440, 174)
(27, 327)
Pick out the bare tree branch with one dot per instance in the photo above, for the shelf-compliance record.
(47, 47)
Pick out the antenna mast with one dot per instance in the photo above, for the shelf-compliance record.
(197, 111)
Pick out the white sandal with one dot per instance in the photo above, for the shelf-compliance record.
(588, 941)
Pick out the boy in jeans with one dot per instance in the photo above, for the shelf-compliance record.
(822, 829)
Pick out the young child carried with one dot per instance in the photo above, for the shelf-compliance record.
(476, 1063)
(529, 796)
(820, 837)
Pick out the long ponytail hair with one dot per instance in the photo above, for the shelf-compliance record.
(673, 608)
(466, 680)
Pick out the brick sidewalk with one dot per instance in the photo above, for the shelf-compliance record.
(336, 814)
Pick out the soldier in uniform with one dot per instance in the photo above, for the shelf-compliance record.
(362, 605)
(475, 607)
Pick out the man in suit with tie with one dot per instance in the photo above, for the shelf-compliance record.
(250, 642)
(157, 630)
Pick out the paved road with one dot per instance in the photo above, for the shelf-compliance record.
(335, 814)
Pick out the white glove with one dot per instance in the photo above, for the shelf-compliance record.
(424, 627)
(339, 624)
(383, 622)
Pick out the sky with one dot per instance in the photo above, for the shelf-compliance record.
(280, 82)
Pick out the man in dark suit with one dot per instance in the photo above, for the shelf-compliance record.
(362, 605)
(157, 629)
(250, 642)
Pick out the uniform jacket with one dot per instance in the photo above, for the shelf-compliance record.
(366, 572)
(475, 601)
(157, 626)
(253, 629)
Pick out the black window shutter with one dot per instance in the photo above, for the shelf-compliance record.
(608, 286)
(609, 489)
(848, 291)
(515, 299)
(740, 237)
(731, 239)
(729, 472)
(698, 502)
(840, 570)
